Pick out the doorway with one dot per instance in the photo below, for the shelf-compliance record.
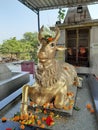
(78, 46)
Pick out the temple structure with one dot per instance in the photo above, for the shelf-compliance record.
(79, 35)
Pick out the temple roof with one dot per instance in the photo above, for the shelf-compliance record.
(73, 16)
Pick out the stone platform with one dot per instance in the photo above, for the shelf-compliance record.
(80, 120)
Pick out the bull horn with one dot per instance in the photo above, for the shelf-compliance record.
(40, 33)
(57, 34)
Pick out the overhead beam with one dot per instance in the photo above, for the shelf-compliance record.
(29, 5)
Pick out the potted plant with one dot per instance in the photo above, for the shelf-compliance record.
(61, 16)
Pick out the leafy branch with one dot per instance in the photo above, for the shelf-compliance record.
(61, 14)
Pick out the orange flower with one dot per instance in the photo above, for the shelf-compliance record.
(22, 122)
(35, 117)
(50, 39)
(16, 118)
(88, 106)
(4, 119)
(22, 127)
(70, 107)
(38, 122)
(42, 125)
(43, 118)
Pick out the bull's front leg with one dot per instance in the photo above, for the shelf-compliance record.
(24, 103)
(32, 93)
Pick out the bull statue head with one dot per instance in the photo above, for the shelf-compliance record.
(48, 46)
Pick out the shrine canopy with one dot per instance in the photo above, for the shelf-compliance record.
(39, 5)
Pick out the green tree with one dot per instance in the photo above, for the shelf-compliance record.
(25, 48)
(31, 40)
(61, 14)
(12, 47)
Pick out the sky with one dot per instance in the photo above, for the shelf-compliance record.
(16, 19)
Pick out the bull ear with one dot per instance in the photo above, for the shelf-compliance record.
(40, 33)
(61, 48)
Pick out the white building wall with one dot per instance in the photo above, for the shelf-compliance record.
(62, 37)
(94, 50)
(61, 42)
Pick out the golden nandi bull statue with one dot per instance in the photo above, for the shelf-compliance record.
(52, 77)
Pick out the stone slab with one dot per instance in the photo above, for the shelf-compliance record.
(12, 84)
(12, 97)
